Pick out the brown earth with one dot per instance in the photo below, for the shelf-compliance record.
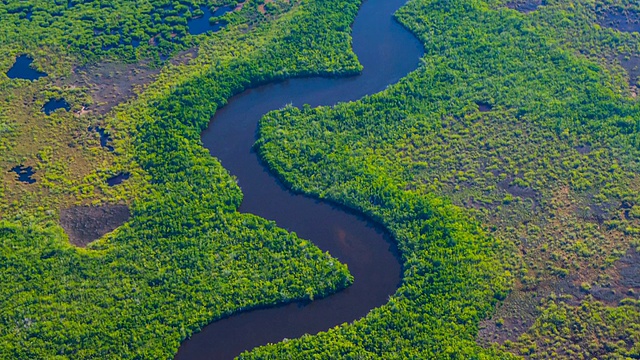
(625, 21)
(110, 83)
(84, 224)
(609, 285)
(525, 7)
(261, 7)
(632, 65)
(517, 313)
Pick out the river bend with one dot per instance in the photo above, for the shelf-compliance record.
(388, 52)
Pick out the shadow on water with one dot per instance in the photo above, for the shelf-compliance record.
(388, 52)
(22, 69)
(55, 104)
(202, 24)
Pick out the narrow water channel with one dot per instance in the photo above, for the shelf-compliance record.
(388, 52)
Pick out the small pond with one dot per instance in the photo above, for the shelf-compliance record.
(484, 106)
(55, 104)
(105, 138)
(118, 179)
(201, 24)
(22, 69)
(24, 173)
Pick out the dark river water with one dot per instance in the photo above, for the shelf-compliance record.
(388, 52)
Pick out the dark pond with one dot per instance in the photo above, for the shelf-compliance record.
(105, 138)
(118, 179)
(24, 173)
(202, 24)
(388, 52)
(484, 107)
(22, 69)
(55, 104)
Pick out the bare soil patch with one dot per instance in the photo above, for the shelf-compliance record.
(625, 280)
(526, 6)
(110, 84)
(583, 149)
(625, 21)
(183, 57)
(518, 312)
(85, 224)
(632, 65)
(519, 191)
(513, 317)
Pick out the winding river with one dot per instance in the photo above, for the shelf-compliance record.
(388, 52)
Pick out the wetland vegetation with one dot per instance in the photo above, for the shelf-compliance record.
(506, 168)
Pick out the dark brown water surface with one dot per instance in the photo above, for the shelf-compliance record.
(387, 51)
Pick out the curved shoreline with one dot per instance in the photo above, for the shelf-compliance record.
(388, 52)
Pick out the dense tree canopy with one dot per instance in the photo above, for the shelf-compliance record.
(506, 164)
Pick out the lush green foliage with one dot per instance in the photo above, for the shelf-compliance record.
(97, 28)
(503, 118)
(589, 330)
(187, 256)
(551, 169)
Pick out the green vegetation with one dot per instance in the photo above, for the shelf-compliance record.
(589, 330)
(121, 28)
(506, 119)
(535, 195)
(187, 256)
